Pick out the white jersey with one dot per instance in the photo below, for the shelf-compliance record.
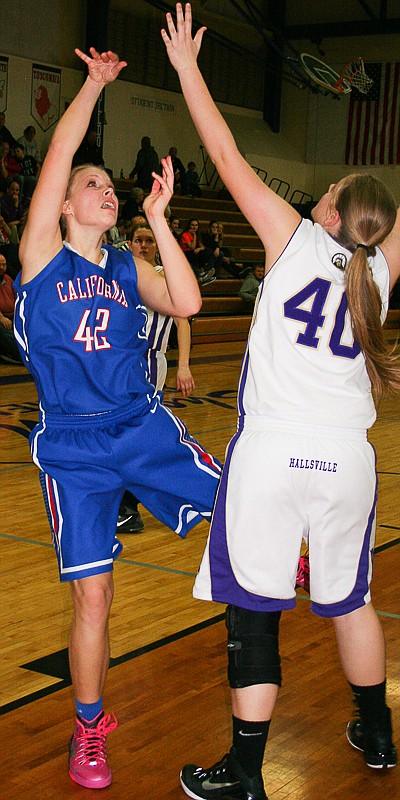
(302, 363)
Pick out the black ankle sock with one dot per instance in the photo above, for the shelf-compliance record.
(371, 701)
(249, 740)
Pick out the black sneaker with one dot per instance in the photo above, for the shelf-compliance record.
(129, 521)
(225, 779)
(378, 748)
(207, 277)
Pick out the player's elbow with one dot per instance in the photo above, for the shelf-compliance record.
(189, 306)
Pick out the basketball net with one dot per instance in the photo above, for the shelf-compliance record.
(354, 74)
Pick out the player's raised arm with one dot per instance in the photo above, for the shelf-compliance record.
(41, 239)
(272, 218)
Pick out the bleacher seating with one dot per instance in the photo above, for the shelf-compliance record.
(224, 316)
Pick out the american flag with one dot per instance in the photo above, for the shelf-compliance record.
(373, 128)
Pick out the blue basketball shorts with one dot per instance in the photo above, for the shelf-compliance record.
(86, 464)
(282, 483)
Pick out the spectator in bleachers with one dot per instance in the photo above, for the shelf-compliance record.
(11, 207)
(10, 168)
(177, 166)
(175, 226)
(217, 256)
(9, 248)
(190, 183)
(133, 205)
(89, 152)
(229, 263)
(249, 288)
(29, 171)
(121, 234)
(139, 219)
(30, 144)
(8, 346)
(147, 162)
(5, 134)
(192, 245)
(5, 232)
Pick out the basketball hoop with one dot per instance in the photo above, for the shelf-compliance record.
(353, 73)
(324, 76)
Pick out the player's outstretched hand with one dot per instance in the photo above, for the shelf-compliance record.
(103, 67)
(162, 190)
(182, 49)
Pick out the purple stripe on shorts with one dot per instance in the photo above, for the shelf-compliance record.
(153, 330)
(224, 586)
(152, 363)
(242, 382)
(356, 598)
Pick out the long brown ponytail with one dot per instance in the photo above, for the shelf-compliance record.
(368, 212)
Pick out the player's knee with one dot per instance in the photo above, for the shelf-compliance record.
(92, 598)
(253, 647)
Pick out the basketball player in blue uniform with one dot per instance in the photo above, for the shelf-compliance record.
(300, 464)
(80, 322)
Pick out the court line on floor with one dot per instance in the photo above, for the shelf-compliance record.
(156, 645)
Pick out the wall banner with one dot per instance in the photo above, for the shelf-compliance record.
(45, 99)
(3, 82)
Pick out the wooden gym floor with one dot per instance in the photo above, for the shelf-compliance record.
(167, 682)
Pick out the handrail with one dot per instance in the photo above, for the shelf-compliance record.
(212, 180)
(280, 183)
(305, 197)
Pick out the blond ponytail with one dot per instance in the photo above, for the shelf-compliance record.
(368, 212)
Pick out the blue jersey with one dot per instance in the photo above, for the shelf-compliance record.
(81, 330)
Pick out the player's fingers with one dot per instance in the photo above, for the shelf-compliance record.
(82, 55)
(171, 27)
(167, 166)
(186, 19)
(94, 53)
(156, 183)
(199, 36)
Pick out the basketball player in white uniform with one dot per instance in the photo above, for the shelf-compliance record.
(158, 329)
(158, 326)
(300, 464)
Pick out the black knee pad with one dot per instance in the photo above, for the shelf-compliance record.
(253, 647)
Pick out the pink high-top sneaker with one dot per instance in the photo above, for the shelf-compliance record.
(303, 573)
(88, 753)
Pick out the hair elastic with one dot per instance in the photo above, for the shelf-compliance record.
(363, 246)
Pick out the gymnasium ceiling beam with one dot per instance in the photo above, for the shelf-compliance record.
(367, 9)
(333, 30)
